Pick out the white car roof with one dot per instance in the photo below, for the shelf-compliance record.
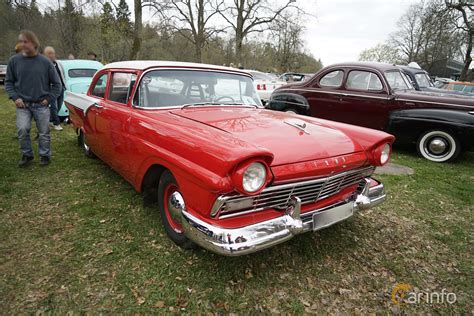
(146, 64)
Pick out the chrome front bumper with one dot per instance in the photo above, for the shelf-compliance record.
(252, 238)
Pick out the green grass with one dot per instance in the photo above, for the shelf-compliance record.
(74, 237)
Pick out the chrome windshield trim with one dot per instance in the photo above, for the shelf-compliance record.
(158, 68)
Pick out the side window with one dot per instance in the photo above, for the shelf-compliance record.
(363, 80)
(100, 85)
(121, 88)
(332, 79)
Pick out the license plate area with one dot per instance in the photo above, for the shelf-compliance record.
(332, 216)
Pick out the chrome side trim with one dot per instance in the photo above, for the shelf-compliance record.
(432, 102)
(344, 94)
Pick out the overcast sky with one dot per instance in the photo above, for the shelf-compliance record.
(341, 29)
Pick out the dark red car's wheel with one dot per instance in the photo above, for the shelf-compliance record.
(171, 203)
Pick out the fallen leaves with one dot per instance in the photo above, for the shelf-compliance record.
(160, 304)
(140, 299)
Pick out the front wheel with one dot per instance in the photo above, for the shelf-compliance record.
(438, 146)
(171, 203)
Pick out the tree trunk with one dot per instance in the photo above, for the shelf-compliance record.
(468, 59)
(137, 30)
(239, 32)
(238, 50)
(198, 50)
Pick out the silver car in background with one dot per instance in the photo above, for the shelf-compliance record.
(265, 84)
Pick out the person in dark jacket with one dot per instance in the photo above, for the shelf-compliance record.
(55, 106)
(32, 83)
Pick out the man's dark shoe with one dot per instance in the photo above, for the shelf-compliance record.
(44, 161)
(24, 161)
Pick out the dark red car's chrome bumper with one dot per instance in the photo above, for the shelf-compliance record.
(252, 238)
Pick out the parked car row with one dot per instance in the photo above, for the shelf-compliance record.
(226, 173)
(234, 177)
(381, 96)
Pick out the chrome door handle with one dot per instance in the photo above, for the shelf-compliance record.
(97, 105)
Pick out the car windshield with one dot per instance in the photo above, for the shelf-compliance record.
(460, 87)
(397, 81)
(164, 88)
(423, 80)
(3, 66)
(81, 73)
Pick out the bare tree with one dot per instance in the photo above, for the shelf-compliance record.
(191, 19)
(426, 34)
(410, 33)
(465, 8)
(286, 34)
(249, 16)
(382, 52)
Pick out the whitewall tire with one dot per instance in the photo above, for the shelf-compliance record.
(438, 146)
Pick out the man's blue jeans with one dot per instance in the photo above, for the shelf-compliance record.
(40, 114)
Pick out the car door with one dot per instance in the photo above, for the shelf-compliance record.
(97, 92)
(324, 94)
(364, 101)
(113, 119)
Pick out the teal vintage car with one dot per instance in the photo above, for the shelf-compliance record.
(78, 75)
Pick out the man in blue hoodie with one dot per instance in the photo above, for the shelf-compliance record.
(32, 83)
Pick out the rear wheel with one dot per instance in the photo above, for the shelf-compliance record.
(170, 204)
(82, 141)
(438, 146)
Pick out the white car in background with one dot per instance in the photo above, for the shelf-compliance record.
(265, 84)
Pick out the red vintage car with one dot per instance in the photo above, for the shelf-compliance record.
(226, 173)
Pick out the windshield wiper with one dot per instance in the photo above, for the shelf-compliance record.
(216, 103)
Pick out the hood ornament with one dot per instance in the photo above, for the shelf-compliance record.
(299, 124)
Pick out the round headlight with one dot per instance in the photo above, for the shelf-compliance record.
(254, 177)
(385, 154)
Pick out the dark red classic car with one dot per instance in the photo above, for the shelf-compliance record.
(380, 96)
(226, 173)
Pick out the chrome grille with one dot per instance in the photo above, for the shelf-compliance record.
(277, 197)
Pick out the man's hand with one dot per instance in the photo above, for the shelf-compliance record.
(45, 102)
(19, 103)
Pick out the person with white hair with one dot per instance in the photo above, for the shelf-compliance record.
(55, 106)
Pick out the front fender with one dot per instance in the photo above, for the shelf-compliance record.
(280, 101)
(408, 125)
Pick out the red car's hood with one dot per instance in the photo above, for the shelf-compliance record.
(272, 131)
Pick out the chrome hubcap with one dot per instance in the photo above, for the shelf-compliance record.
(438, 146)
(176, 206)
